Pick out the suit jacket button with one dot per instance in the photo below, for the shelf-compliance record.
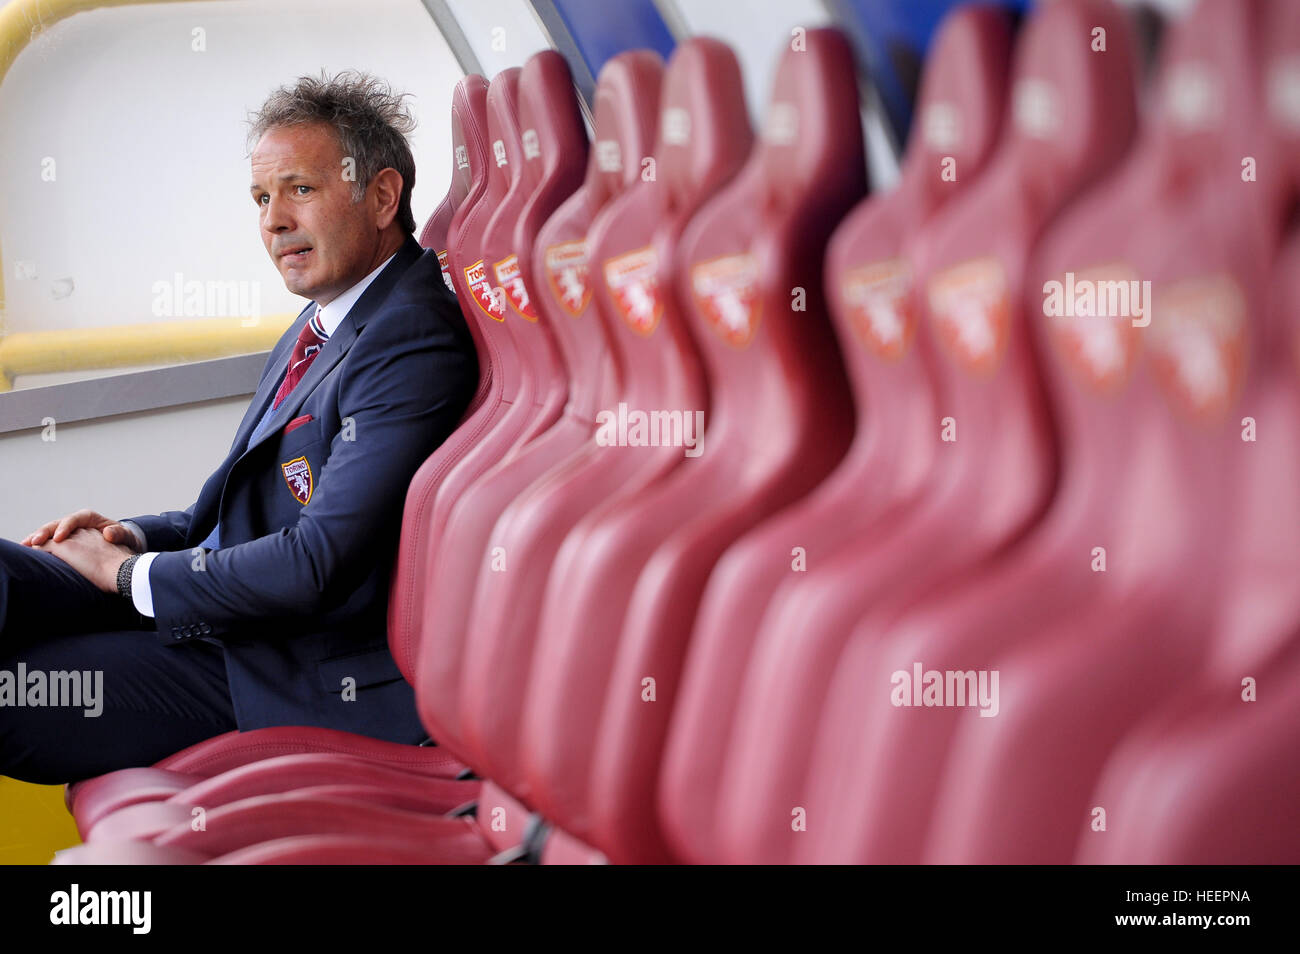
(204, 628)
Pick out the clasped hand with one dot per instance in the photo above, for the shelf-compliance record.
(91, 544)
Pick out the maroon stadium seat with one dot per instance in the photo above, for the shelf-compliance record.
(654, 362)
(712, 135)
(1077, 683)
(1071, 116)
(626, 106)
(700, 644)
(554, 143)
(1205, 780)
(959, 109)
(748, 278)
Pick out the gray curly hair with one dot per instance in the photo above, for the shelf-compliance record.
(371, 121)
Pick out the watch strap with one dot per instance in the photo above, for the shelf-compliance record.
(124, 576)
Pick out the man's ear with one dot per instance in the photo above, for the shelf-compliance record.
(386, 193)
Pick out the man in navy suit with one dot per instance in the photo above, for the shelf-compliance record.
(264, 602)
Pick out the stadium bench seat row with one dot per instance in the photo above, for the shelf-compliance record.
(719, 648)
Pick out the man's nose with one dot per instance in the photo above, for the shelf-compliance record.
(276, 217)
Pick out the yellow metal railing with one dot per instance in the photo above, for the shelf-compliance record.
(169, 342)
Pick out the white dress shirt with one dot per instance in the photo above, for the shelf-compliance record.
(331, 316)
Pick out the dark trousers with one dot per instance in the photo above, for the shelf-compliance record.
(59, 630)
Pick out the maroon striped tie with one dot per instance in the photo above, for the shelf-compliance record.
(311, 339)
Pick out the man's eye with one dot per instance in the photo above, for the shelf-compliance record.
(261, 199)
(308, 188)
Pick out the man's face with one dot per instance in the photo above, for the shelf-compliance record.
(321, 242)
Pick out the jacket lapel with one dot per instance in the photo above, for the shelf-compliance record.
(270, 382)
(331, 353)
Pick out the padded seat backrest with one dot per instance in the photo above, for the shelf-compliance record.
(704, 139)
(626, 98)
(625, 111)
(489, 270)
(470, 145)
(959, 110)
(434, 233)
(1072, 115)
(751, 263)
(555, 153)
(748, 276)
(1207, 248)
(1153, 434)
(470, 151)
(959, 117)
(1128, 231)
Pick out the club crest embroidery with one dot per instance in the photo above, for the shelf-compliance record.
(566, 270)
(446, 275)
(477, 279)
(877, 300)
(1098, 343)
(1199, 342)
(511, 278)
(972, 314)
(726, 292)
(633, 280)
(297, 474)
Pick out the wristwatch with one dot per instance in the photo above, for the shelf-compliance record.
(124, 576)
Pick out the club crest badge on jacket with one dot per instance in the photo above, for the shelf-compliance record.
(297, 474)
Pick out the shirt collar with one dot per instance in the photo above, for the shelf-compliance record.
(332, 315)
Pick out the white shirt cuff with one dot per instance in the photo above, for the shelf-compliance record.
(141, 594)
(142, 543)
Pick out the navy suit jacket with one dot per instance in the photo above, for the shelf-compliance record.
(311, 512)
